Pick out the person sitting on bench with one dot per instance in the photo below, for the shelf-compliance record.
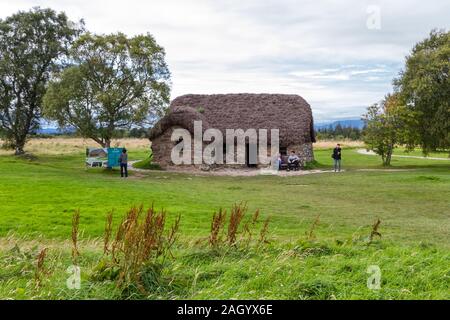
(293, 160)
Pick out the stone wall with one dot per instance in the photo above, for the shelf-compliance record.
(162, 147)
(304, 151)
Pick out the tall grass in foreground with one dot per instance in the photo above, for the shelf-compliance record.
(40, 271)
(140, 241)
(375, 232)
(135, 252)
(238, 231)
(316, 222)
(139, 257)
(75, 227)
(108, 232)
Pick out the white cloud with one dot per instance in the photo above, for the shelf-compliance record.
(321, 50)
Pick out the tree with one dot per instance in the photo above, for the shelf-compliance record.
(386, 126)
(338, 132)
(425, 87)
(114, 83)
(32, 45)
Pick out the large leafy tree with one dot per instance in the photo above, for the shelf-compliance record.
(32, 46)
(386, 126)
(425, 88)
(115, 82)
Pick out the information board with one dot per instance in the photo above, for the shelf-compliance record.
(113, 157)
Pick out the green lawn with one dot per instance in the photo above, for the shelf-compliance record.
(38, 197)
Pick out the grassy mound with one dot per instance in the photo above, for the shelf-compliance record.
(147, 164)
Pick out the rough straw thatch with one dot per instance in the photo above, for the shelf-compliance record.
(291, 114)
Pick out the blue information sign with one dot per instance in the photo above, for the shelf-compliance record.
(113, 157)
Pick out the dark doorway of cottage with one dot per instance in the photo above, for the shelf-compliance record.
(251, 155)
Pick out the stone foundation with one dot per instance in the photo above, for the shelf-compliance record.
(162, 147)
(304, 151)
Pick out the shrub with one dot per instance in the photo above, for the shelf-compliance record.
(147, 164)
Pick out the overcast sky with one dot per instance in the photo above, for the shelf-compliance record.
(336, 54)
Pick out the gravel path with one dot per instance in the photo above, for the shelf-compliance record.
(233, 172)
(371, 153)
(249, 172)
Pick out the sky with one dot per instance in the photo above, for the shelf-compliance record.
(341, 56)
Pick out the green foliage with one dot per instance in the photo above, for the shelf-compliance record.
(147, 164)
(115, 82)
(137, 133)
(424, 85)
(339, 133)
(310, 165)
(200, 110)
(386, 127)
(32, 46)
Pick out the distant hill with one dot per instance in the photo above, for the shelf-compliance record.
(54, 131)
(353, 123)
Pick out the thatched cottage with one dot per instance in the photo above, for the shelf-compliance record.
(290, 114)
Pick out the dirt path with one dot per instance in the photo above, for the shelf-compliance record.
(371, 153)
(232, 172)
(131, 167)
(248, 172)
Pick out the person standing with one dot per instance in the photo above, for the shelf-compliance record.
(337, 158)
(123, 160)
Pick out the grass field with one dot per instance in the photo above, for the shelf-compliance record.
(412, 199)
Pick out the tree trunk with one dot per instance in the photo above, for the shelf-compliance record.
(19, 151)
(387, 161)
(19, 144)
(101, 142)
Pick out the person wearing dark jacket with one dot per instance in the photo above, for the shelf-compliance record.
(337, 158)
(123, 160)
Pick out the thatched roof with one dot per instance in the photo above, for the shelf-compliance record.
(291, 114)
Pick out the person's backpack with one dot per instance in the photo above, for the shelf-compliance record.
(334, 155)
